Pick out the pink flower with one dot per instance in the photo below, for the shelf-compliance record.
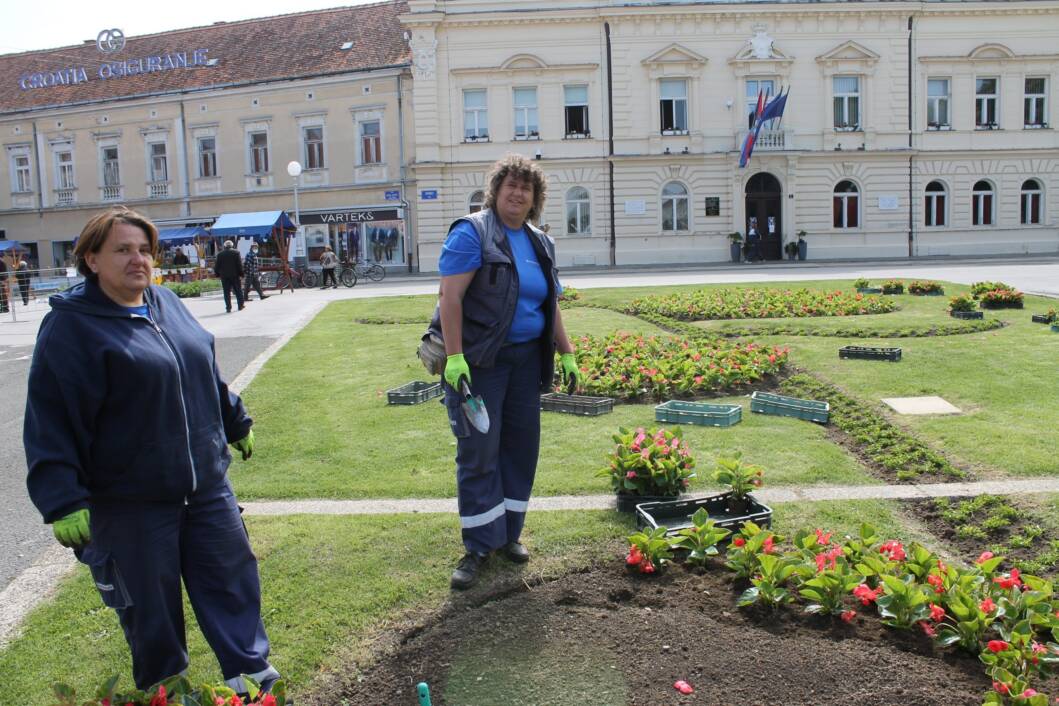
(937, 613)
(1001, 688)
(928, 629)
(646, 567)
(987, 606)
(848, 615)
(1038, 648)
(635, 448)
(823, 538)
(268, 700)
(984, 557)
(1029, 693)
(630, 475)
(894, 549)
(683, 687)
(645, 454)
(767, 545)
(937, 582)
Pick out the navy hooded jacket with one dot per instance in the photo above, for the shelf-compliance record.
(125, 408)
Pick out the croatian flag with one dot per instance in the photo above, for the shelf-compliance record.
(773, 110)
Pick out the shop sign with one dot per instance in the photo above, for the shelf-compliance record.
(351, 216)
(72, 75)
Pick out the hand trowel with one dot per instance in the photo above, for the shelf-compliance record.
(474, 408)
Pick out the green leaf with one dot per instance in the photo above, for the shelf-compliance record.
(701, 517)
(748, 597)
(813, 594)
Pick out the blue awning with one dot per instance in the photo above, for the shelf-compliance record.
(10, 245)
(258, 225)
(180, 236)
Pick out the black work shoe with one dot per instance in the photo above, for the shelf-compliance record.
(466, 573)
(516, 552)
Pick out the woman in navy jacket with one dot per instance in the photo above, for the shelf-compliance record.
(126, 433)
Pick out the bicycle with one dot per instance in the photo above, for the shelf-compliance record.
(375, 272)
(299, 277)
(347, 275)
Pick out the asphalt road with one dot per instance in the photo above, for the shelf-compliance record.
(22, 533)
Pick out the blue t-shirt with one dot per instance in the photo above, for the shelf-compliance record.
(141, 310)
(462, 252)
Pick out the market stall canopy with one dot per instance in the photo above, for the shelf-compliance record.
(181, 236)
(258, 225)
(6, 245)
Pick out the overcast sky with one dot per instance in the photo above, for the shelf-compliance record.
(25, 25)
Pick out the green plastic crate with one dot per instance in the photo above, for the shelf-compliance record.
(713, 415)
(770, 403)
(414, 392)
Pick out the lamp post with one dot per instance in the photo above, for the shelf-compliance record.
(295, 170)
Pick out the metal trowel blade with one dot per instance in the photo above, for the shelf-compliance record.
(474, 408)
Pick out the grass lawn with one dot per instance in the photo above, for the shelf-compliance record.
(364, 574)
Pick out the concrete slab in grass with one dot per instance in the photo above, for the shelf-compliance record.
(921, 405)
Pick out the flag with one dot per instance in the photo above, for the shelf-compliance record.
(774, 109)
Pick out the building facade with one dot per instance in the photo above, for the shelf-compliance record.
(188, 125)
(911, 128)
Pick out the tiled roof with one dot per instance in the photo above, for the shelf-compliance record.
(282, 47)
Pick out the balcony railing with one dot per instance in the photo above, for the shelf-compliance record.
(65, 197)
(112, 193)
(158, 190)
(767, 140)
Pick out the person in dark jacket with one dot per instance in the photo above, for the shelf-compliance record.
(22, 277)
(251, 267)
(229, 267)
(498, 315)
(3, 286)
(126, 435)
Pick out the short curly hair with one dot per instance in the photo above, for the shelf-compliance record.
(523, 169)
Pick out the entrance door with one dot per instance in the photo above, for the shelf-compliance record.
(763, 210)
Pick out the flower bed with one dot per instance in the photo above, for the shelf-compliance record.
(926, 287)
(980, 288)
(630, 367)
(175, 690)
(706, 304)
(1001, 299)
(893, 286)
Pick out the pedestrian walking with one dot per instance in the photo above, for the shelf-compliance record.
(229, 267)
(126, 434)
(251, 278)
(22, 276)
(3, 285)
(499, 318)
(328, 261)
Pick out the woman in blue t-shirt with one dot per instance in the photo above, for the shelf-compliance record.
(499, 317)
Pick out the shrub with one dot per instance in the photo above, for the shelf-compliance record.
(925, 287)
(861, 283)
(961, 302)
(706, 304)
(1001, 299)
(569, 294)
(649, 462)
(893, 286)
(197, 288)
(980, 288)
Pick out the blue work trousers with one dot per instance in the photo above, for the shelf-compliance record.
(494, 471)
(138, 556)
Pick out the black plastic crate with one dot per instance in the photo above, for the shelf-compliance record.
(414, 392)
(576, 404)
(869, 353)
(869, 290)
(675, 515)
(1041, 318)
(967, 314)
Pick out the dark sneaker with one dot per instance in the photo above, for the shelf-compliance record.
(466, 573)
(516, 552)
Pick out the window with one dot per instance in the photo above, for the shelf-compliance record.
(313, 138)
(64, 170)
(475, 115)
(1031, 202)
(23, 177)
(755, 87)
(937, 103)
(578, 206)
(370, 142)
(674, 105)
(846, 94)
(575, 99)
(259, 153)
(934, 205)
(526, 112)
(674, 207)
(207, 156)
(111, 169)
(985, 97)
(1033, 105)
(846, 205)
(982, 204)
(477, 202)
(159, 166)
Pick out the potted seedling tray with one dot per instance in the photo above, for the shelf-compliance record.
(675, 515)
(771, 403)
(966, 314)
(869, 353)
(1041, 319)
(869, 290)
(576, 404)
(414, 392)
(701, 413)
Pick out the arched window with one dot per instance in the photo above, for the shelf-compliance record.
(578, 207)
(674, 207)
(1032, 206)
(935, 203)
(477, 202)
(983, 204)
(846, 205)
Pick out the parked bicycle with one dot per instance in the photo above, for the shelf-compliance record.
(300, 277)
(347, 275)
(375, 272)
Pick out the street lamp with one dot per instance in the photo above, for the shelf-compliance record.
(295, 170)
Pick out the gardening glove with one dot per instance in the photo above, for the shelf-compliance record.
(455, 368)
(246, 445)
(72, 530)
(571, 374)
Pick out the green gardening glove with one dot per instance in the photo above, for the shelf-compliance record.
(72, 530)
(455, 368)
(246, 445)
(571, 374)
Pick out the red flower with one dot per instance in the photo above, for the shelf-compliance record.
(937, 613)
(997, 646)
(646, 567)
(1029, 693)
(928, 629)
(630, 475)
(987, 606)
(159, 699)
(866, 595)
(634, 557)
(1001, 687)
(105, 702)
(766, 546)
(739, 542)
(268, 700)
(218, 701)
(683, 687)
(1012, 580)
(848, 615)
(234, 700)
(894, 549)
(937, 582)
(823, 538)
(984, 557)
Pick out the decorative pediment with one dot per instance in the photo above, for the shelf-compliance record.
(761, 56)
(523, 61)
(849, 52)
(674, 54)
(991, 51)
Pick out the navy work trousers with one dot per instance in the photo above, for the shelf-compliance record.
(494, 471)
(138, 556)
